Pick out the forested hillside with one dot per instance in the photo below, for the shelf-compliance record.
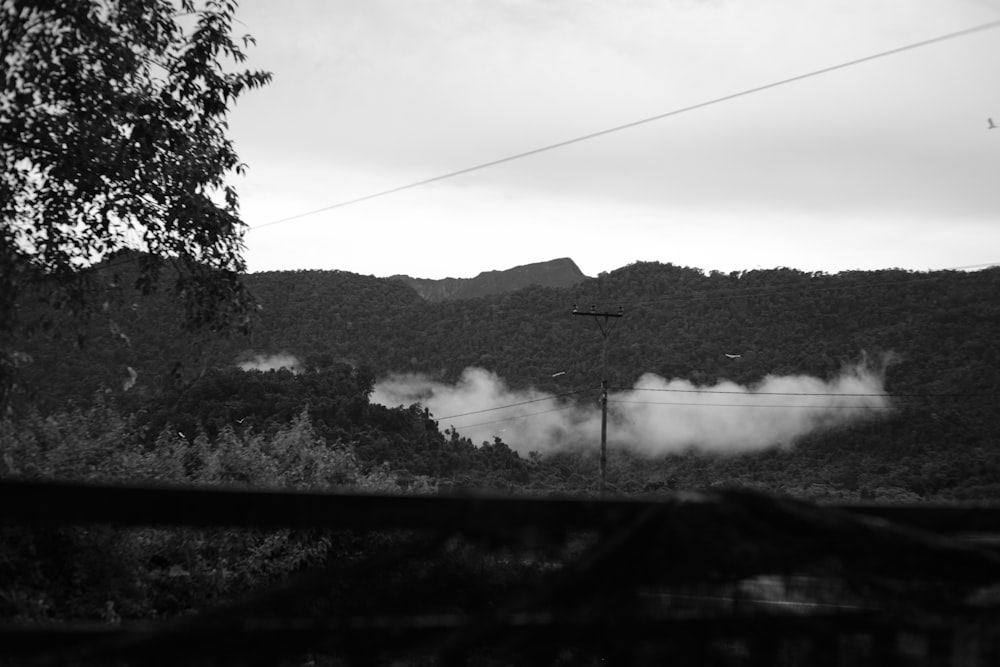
(935, 335)
(129, 395)
(678, 322)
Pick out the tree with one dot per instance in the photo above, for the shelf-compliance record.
(113, 147)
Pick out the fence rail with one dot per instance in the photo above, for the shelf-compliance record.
(633, 594)
(74, 503)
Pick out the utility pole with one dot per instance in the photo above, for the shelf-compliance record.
(605, 324)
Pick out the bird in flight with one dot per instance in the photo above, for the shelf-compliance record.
(992, 125)
(733, 356)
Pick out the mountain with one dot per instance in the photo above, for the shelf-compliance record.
(561, 272)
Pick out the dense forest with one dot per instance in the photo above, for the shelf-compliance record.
(932, 337)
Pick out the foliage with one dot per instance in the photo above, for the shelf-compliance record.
(941, 329)
(335, 397)
(66, 573)
(113, 134)
(403, 442)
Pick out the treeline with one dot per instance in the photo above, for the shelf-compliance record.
(936, 332)
(403, 442)
(679, 322)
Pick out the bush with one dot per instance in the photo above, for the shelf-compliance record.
(62, 573)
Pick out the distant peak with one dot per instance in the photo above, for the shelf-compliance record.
(561, 272)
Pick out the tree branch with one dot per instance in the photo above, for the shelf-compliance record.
(10, 141)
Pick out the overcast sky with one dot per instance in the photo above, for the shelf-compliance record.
(888, 163)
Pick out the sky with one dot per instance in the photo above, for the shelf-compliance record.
(888, 163)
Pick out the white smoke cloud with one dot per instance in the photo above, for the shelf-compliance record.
(660, 416)
(533, 420)
(656, 416)
(131, 377)
(272, 362)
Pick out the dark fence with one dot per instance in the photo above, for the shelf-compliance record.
(712, 578)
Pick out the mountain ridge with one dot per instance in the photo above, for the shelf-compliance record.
(561, 272)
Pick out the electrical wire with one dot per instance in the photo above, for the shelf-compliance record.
(466, 427)
(714, 405)
(751, 393)
(515, 418)
(636, 123)
(514, 405)
(756, 405)
(795, 393)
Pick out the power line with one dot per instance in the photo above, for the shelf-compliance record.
(718, 405)
(752, 393)
(516, 417)
(793, 393)
(467, 427)
(986, 265)
(758, 405)
(513, 405)
(636, 123)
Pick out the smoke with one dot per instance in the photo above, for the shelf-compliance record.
(533, 420)
(659, 416)
(129, 381)
(655, 417)
(272, 362)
